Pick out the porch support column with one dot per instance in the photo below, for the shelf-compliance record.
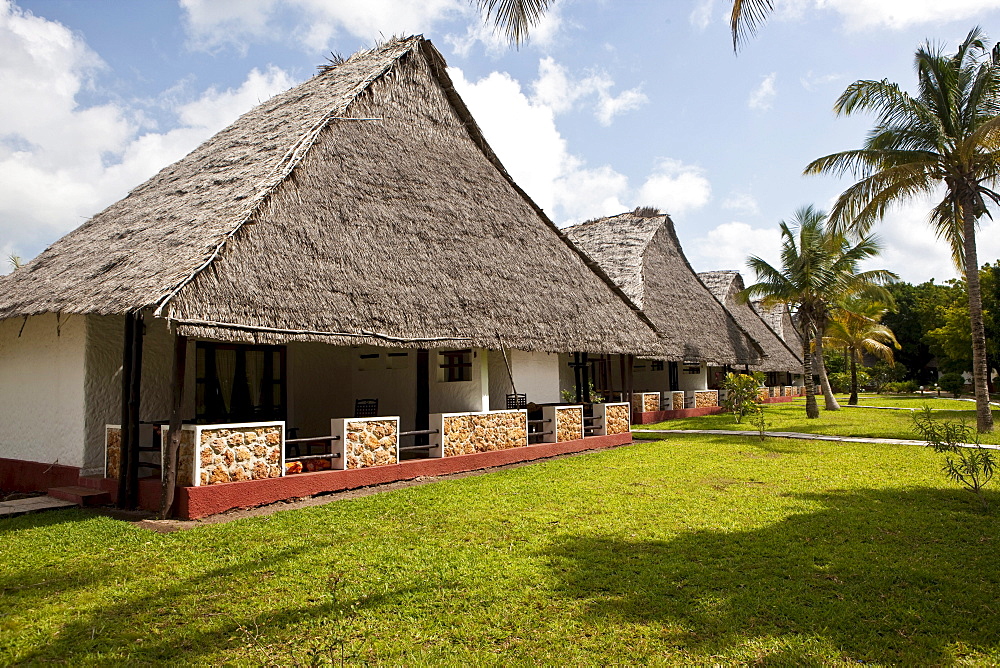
(128, 480)
(629, 385)
(172, 445)
(422, 418)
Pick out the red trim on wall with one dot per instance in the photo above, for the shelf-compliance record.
(195, 502)
(19, 475)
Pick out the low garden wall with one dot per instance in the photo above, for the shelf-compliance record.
(365, 442)
(483, 431)
(220, 453)
(645, 402)
(565, 423)
(611, 419)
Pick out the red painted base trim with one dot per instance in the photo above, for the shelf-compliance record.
(195, 502)
(651, 417)
(779, 400)
(19, 475)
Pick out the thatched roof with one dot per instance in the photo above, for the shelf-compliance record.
(780, 320)
(362, 201)
(726, 285)
(640, 251)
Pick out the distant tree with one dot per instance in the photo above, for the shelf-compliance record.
(855, 326)
(818, 268)
(947, 135)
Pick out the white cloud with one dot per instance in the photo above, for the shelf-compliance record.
(812, 81)
(214, 24)
(892, 14)
(675, 187)
(763, 95)
(741, 202)
(61, 162)
(522, 131)
(729, 245)
(557, 90)
(701, 15)
(543, 35)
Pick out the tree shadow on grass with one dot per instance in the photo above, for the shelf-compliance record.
(901, 577)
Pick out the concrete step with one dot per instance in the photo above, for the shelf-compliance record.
(34, 504)
(80, 495)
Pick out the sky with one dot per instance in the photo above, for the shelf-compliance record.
(610, 105)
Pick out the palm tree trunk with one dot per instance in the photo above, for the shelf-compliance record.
(824, 380)
(853, 401)
(812, 410)
(984, 418)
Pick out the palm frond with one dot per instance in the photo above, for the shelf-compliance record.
(514, 18)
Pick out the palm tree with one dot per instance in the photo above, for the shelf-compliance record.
(515, 18)
(947, 135)
(817, 269)
(855, 326)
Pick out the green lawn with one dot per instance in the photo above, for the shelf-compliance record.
(847, 421)
(692, 550)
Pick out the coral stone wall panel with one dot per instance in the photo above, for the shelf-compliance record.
(677, 401)
(706, 398)
(371, 443)
(616, 419)
(468, 433)
(216, 454)
(112, 451)
(569, 423)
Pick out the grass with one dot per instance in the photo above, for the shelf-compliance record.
(855, 421)
(691, 550)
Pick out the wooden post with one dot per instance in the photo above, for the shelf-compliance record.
(629, 389)
(423, 408)
(134, 408)
(126, 419)
(169, 482)
(621, 369)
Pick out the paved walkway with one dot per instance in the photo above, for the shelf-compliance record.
(34, 504)
(792, 434)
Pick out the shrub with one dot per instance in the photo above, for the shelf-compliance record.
(841, 382)
(742, 395)
(966, 461)
(952, 382)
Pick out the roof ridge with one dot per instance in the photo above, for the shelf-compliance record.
(294, 156)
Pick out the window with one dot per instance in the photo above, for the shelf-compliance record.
(236, 383)
(456, 365)
(657, 365)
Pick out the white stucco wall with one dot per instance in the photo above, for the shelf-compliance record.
(42, 389)
(644, 379)
(324, 382)
(105, 341)
(536, 375)
(693, 381)
(461, 396)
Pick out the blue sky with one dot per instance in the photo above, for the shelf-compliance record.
(610, 105)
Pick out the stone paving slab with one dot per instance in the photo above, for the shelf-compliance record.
(801, 436)
(34, 504)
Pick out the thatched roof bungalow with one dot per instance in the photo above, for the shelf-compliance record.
(726, 286)
(641, 253)
(353, 235)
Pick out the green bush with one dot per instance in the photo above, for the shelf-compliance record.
(952, 382)
(966, 461)
(742, 394)
(841, 382)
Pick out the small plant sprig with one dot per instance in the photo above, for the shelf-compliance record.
(742, 394)
(966, 461)
(759, 420)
